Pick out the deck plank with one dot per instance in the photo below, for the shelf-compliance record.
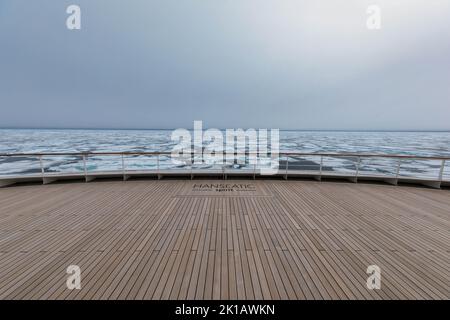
(282, 240)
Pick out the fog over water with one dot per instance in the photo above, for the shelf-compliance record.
(290, 64)
(73, 141)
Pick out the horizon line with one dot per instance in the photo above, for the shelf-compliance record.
(206, 128)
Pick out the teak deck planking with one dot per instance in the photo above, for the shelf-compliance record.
(281, 240)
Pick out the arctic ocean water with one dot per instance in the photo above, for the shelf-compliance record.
(50, 140)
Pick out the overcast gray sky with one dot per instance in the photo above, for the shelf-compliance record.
(293, 64)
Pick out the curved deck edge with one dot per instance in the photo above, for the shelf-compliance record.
(6, 181)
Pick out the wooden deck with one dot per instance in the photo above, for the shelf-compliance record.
(260, 240)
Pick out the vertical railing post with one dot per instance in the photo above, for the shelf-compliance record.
(84, 166)
(192, 164)
(157, 164)
(398, 168)
(441, 171)
(123, 166)
(321, 166)
(287, 167)
(42, 166)
(224, 164)
(357, 167)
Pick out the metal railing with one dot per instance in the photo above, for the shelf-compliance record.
(291, 164)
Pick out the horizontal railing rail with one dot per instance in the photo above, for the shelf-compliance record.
(290, 164)
(280, 154)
